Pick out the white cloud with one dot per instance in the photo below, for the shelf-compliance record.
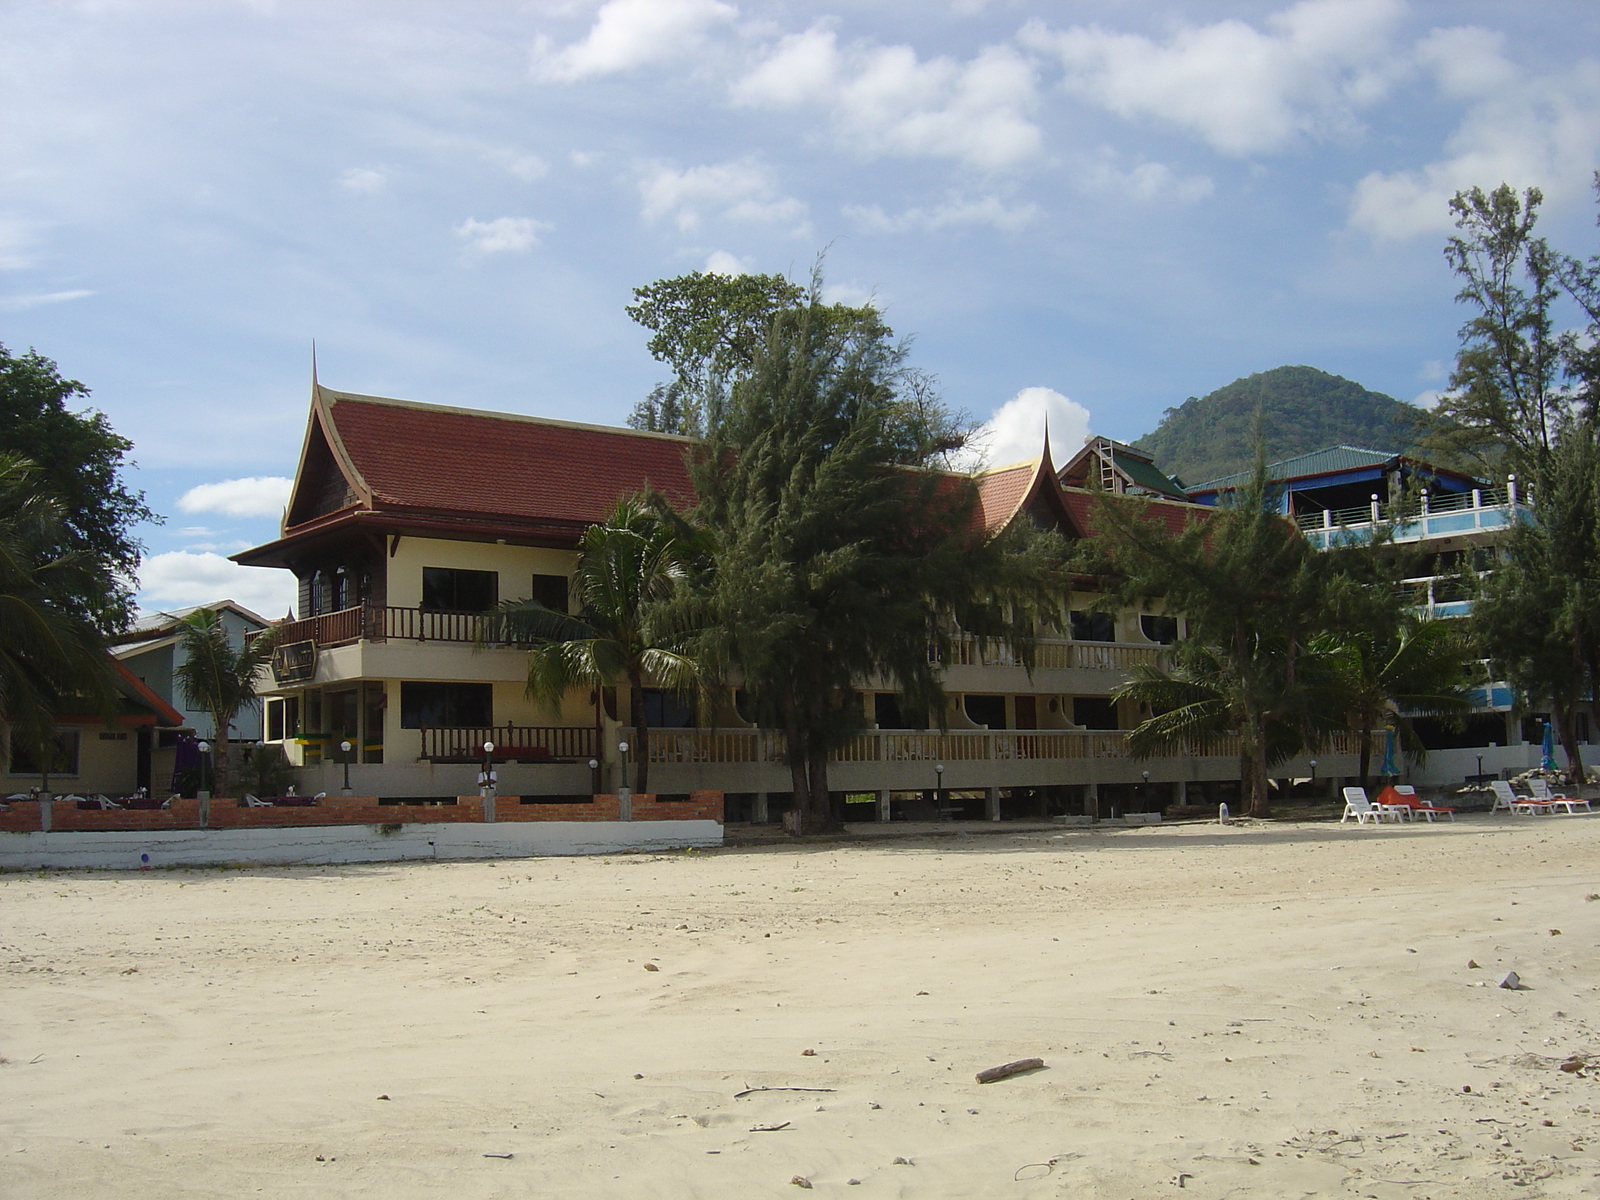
(720, 262)
(18, 303)
(179, 578)
(503, 235)
(884, 100)
(990, 210)
(1243, 90)
(363, 180)
(257, 496)
(741, 190)
(1015, 433)
(519, 163)
(628, 34)
(1146, 182)
(1428, 399)
(1524, 129)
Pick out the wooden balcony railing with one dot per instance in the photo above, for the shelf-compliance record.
(374, 623)
(512, 743)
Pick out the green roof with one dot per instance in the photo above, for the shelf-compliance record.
(1146, 475)
(1316, 462)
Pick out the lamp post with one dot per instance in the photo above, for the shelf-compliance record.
(1313, 777)
(594, 776)
(487, 781)
(203, 793)
(624, 796)
(1144, 791)
(345, 747)
(938, 790)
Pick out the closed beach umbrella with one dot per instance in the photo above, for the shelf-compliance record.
(1388, 770)
(1548, 760)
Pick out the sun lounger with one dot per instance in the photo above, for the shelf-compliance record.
(1507, 799)
(1408, 797)
(1542, 792)
(250, 801)
(1363, 810)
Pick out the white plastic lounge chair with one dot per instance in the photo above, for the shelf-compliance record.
(1542, 792)
(104, 800)
(1363, 810)
(1418, 808)
(1507, 799)
(255, 801)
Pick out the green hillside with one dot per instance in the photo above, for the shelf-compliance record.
(1302, 409)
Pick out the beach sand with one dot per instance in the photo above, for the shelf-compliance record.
(1272, 1011)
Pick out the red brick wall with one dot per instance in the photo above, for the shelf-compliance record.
(23, 815)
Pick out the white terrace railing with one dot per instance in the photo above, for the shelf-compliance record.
(1057, 654)
(1430, 515)
(886, 745)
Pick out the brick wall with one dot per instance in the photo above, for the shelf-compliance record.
(23, 816)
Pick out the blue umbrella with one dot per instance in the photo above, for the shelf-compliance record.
(1389, 770)
(1548, 761)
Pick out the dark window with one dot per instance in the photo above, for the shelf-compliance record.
(446, 704)
(25, 759)
(667, 710)
(886, 711)
(1159, 629)
(274, 721)
(449, 590)
(551, 591)
(1027, 708)
(989, 711)
(1094, 712)
(1093, 627)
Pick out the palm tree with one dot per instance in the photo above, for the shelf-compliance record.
(49, 655)
(626, 571)
(220, 680)
(1420, 668)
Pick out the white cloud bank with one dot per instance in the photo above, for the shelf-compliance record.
(1243, 90)
(503, 235)
(256, 496)
(1527, 129)
(180, 577)
(1015, 433)
(884, 100)
(741, 191)
(989, 210)
(628, 34)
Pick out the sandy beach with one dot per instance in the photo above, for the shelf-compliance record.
(1273, 1011)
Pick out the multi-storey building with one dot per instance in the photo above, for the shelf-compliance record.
(408, 521)
(1451, 521)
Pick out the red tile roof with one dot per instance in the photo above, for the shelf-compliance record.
(1001, 491)
(417, 456)
(1176, 517)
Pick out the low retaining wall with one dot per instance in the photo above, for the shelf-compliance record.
(23, 816)
(310, 846)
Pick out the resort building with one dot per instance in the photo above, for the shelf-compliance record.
(1450, 521)
(408, 521)
(153, 651)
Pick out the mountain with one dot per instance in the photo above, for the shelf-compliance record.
(1302, 409)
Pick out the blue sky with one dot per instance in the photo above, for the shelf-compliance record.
(1086, 210)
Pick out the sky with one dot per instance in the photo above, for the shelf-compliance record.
(1085, 212)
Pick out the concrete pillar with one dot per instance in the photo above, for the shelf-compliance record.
(624, 804)
(883, 807)
(1180, 793)
(1091, 802)
(991, 803)
(488, 795)
(46, 812)
(759, 815)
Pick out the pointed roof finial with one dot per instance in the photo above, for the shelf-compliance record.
(314, 384)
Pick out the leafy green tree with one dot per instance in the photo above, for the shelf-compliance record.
(1416, 667)
(79, 458)
(220, 680)
(50, 654)
(1537, 614)
(626, 571)
(836, 552)
(1254, 593)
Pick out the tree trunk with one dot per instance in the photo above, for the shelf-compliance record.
(799, 780)
(641, 734)
(1260, 800)
(219, 754)
(1566, 732)
(1366, 754)
(819, 811)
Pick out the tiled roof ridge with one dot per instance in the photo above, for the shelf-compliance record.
(1383, 455)
(1172, 501)
(335, 395)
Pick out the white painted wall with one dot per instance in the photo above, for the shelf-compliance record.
(133, 851)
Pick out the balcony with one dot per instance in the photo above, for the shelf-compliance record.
(1439, 515)
(374, 623)
(512, 743)
(683, 746)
